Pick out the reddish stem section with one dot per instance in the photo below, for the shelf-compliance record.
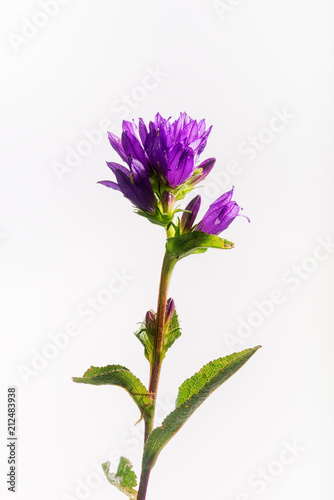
(166, 271)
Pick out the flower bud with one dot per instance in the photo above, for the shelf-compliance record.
(203, 170)
(189, 216)
(170, 308)
(150, 320)
(167, 201)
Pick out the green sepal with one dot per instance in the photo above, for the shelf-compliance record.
(158, 217)
(122, 377)
(125, 478)
(192, 393)
(195, 242)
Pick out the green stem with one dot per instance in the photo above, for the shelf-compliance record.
(166, 271)
(144, 478)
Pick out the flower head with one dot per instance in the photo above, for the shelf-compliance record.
(160, 157)
(161, 167)
(167, 149)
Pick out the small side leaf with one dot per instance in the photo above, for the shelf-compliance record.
(173, 332)
(121, 376)
(125, 479)
(147, 340)
(195, 242)
(146, 336)
(192, 393)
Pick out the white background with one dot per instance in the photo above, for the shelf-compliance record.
(62, 237)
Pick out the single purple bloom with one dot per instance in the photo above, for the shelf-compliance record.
(219, 215)
(135, 184)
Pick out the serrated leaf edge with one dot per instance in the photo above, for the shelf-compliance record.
(111, 476)
(185, 405)
(142, 408)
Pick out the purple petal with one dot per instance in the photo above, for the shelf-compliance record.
(183, 170)
(178, 125)
(203, 142)
(110, 184)
(201, 127)
(116, 166)
(142, 131)
(174, 156)
(117, 145)
(158, 120)
(133, 148)
(134, 192)
(223, 199)
(165, 136)
(128, 127)
(220, 214)
(219, 219)
(156, 153)
(190, 132)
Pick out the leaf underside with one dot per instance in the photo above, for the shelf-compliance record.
(173, 333)
(125, 478)
(195, 242)
(192, 393)
(147, 340)
(122, 377)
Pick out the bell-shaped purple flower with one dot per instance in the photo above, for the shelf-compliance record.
(219, 215)
(134, 184)
(189, 215)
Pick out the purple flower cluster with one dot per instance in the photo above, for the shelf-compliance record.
(164, 154)
(161, 167)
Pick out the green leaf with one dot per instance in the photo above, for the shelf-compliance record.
(195, 242)
(121, 376)
(125, 479)
(172, 333)
(192, 393)
(147, 339)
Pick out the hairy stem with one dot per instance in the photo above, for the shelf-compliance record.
(166, 271)
(144, 478)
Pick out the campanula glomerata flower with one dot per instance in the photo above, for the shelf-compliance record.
(160, 157)
(218, 217)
